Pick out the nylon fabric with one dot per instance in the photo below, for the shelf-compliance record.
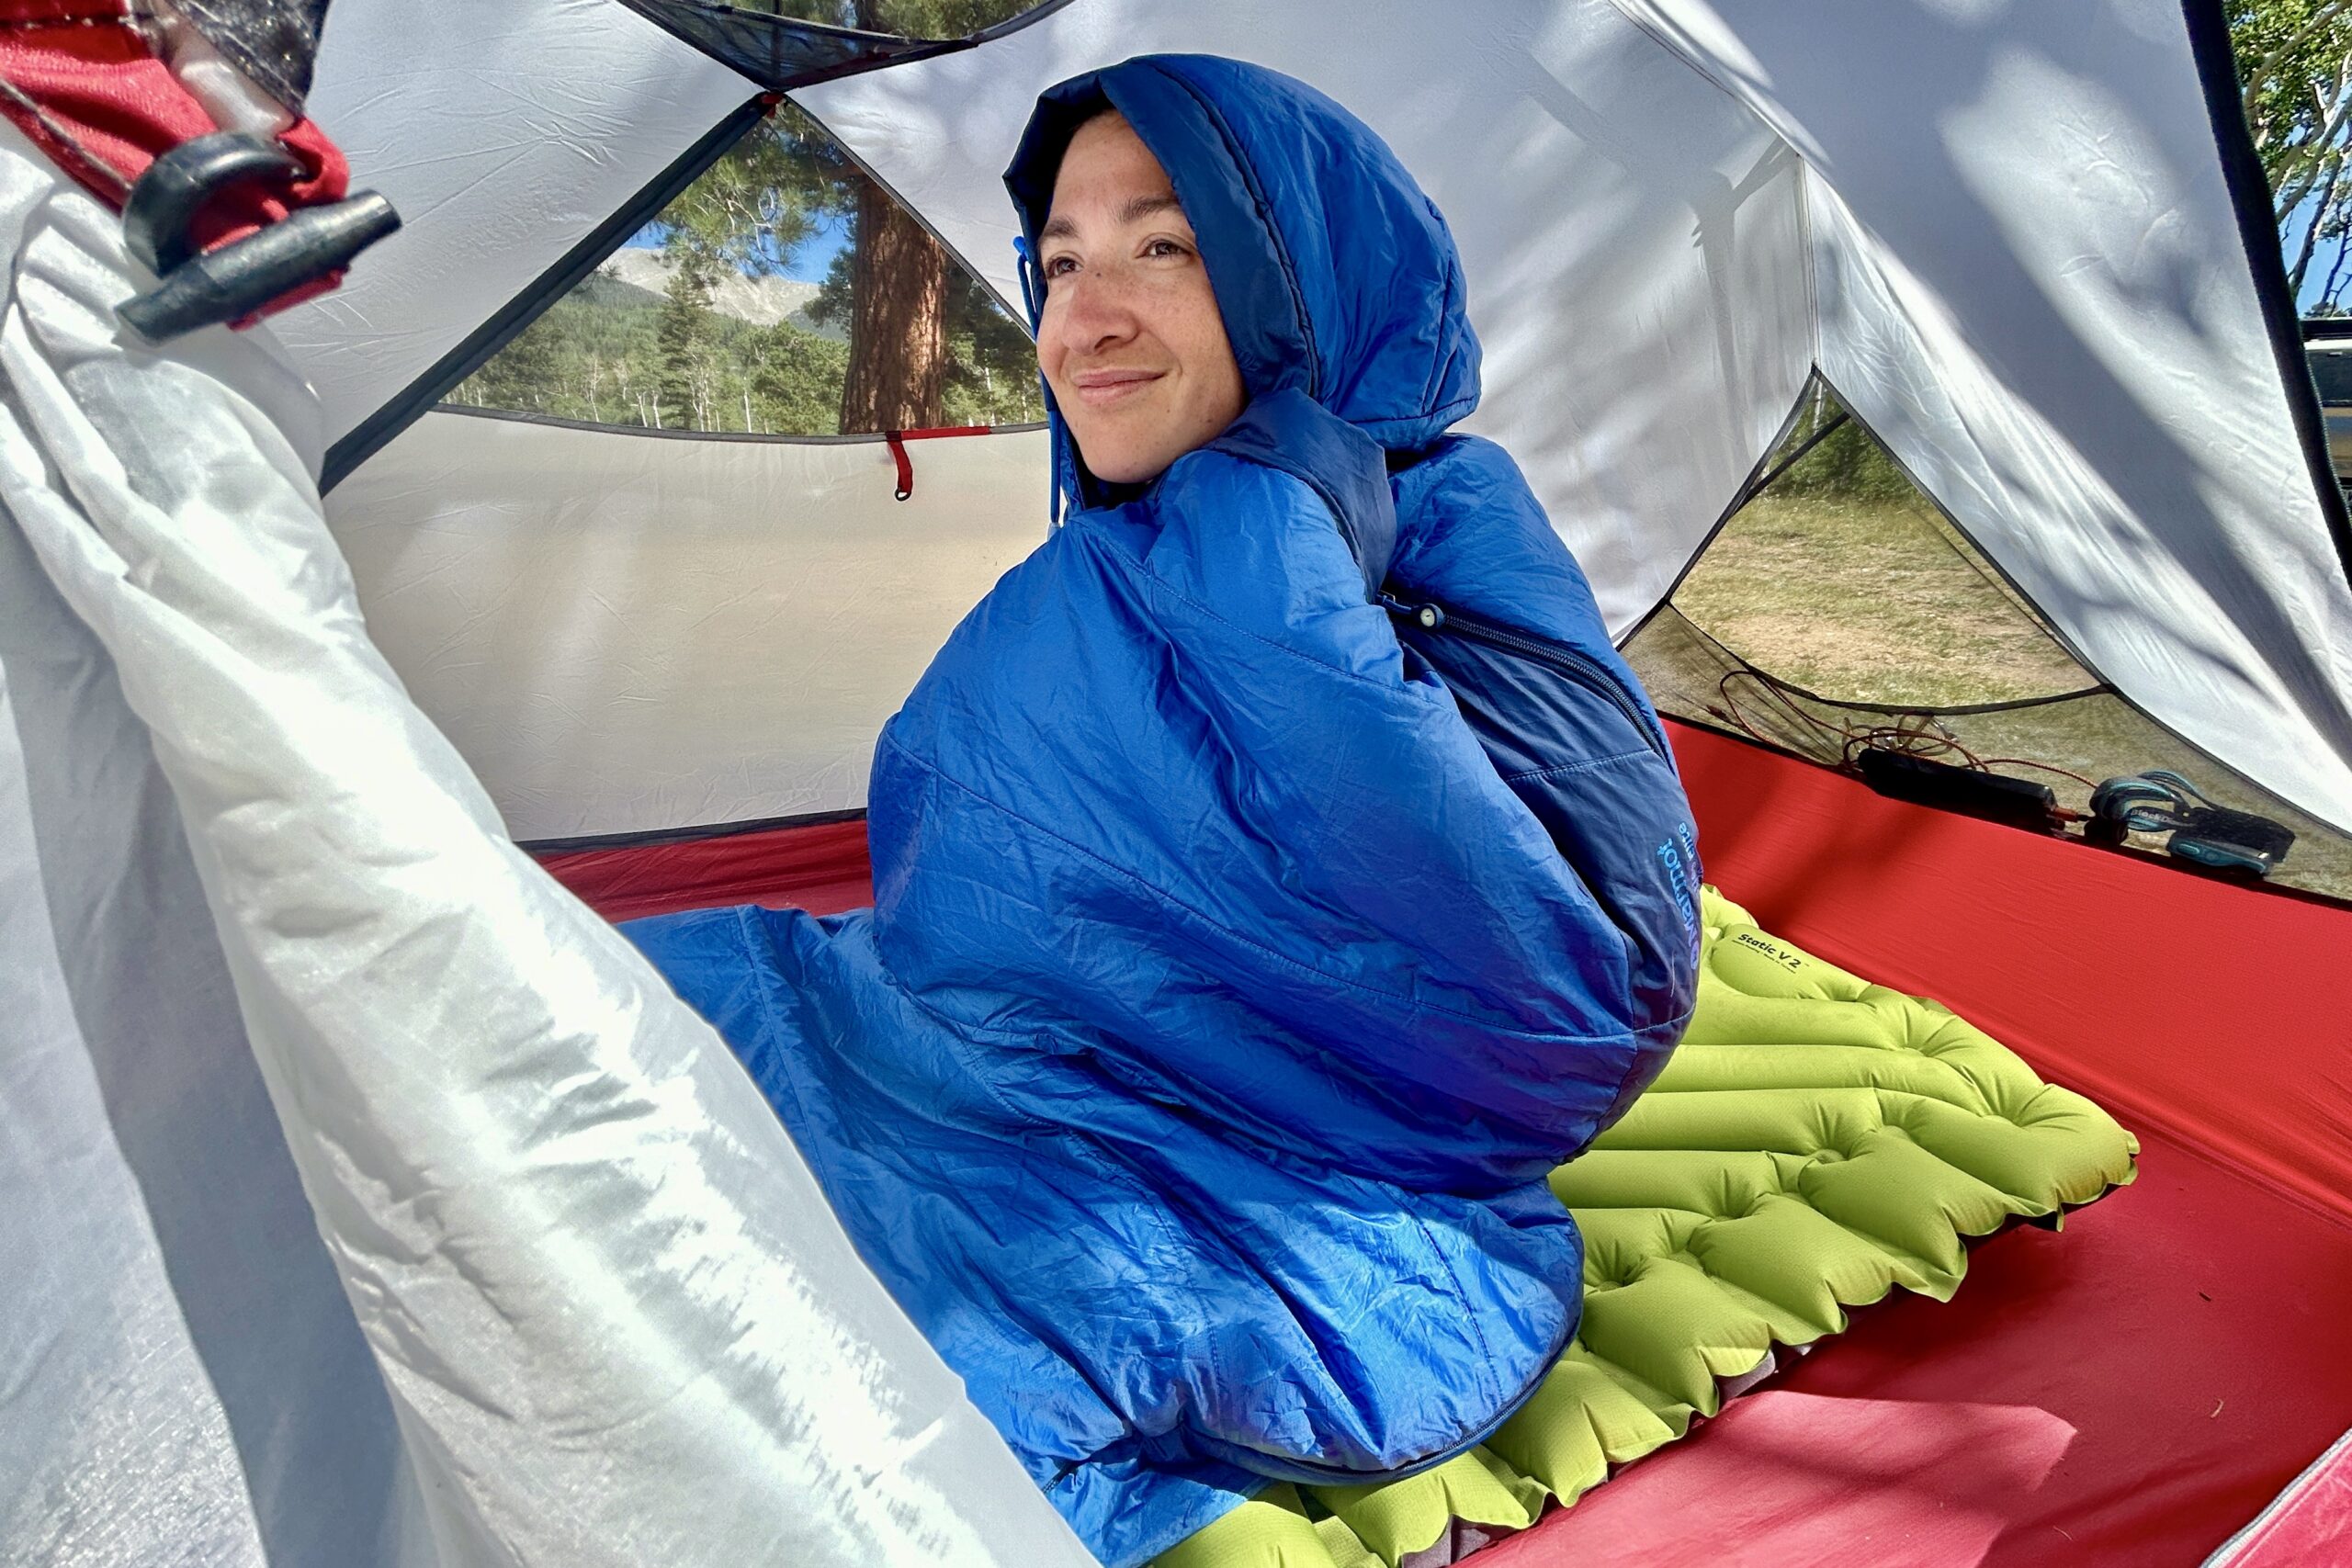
(612, 1319)
(180, 1377)
(1193, 1080)
(587, 658)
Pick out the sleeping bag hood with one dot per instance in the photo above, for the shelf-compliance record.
(1276, 876)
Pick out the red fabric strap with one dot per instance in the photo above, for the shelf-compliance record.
(897, 442)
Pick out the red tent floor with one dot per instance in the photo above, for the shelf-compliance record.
(2130, 1391)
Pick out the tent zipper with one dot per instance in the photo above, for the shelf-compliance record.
(1575, 664)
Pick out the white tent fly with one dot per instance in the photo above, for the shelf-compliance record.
(2009, 236)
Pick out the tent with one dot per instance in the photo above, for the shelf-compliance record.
(2027, 247)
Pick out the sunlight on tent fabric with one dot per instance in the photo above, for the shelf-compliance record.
(2115, 436)
(1854, 1469)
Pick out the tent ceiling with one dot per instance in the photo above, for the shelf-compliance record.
(2003, 231)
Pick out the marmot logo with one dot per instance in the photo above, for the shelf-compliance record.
(1682, 878)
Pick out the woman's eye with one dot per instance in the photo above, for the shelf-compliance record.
(1056, 265)
(1165, 248)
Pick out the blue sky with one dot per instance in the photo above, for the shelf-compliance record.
(809, 265)
(2322, 257)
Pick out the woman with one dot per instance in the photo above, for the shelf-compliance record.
(1276, 876)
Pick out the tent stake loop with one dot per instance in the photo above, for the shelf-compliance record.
(897, 440)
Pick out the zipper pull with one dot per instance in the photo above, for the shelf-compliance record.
(1429, 618)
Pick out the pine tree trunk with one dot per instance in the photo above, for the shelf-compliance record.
(898, 337)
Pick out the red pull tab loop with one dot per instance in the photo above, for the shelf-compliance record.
(897, 440)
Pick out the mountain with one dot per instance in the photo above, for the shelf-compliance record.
(762, 301)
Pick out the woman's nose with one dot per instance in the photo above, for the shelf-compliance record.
(1095, 312)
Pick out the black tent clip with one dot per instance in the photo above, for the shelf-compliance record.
(206, 289)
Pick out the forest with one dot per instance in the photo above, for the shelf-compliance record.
(904, 338)
(611, 353)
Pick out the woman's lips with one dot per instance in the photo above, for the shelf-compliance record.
(1101, 389)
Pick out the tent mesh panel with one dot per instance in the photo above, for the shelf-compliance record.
(1837, 607)
(777, 50)
(733, 312)
(797, 43)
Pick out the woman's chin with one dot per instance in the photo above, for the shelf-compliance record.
(1124, 465)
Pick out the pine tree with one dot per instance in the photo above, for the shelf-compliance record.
(685, 340)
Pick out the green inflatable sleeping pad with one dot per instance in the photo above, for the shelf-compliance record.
(1815, 1142)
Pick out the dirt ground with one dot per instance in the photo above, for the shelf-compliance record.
(1874, 603)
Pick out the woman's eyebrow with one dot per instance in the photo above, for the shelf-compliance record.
(1136, 209)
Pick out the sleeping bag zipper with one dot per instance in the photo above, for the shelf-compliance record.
(1575, 663)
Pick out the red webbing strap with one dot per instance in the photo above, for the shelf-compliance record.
(2223, 1013)
(897, 440)
(80, 79)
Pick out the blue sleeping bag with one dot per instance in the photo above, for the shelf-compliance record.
(1275, 876)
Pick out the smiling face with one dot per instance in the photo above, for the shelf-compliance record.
(1131, 340)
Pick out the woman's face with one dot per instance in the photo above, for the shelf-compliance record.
(1131, 340)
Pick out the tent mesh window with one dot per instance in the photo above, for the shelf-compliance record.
(787, 44)
(1838, 608)
(783, 293)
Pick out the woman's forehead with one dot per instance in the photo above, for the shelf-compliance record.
(1108, 177)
